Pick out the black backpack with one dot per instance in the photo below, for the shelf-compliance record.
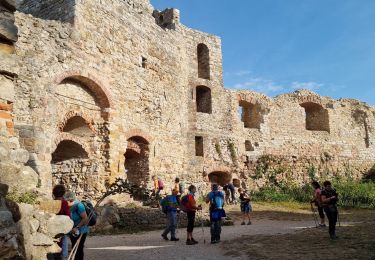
(90, 211)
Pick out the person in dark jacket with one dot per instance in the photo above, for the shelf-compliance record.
(329, 200)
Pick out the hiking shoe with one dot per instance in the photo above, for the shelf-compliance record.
(249, 223)
(213, 242)
(190, 242)
(165, 237)
(175, 239)
(322, 225)
(243, 223)
(194, 241)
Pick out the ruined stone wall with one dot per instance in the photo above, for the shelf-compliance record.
(122, 71)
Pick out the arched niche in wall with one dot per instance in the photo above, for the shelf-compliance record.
(316, 117)
(203, 54)
(72, 166)
(137, 161)
(221, 178)
(203, 99)
(77, 125)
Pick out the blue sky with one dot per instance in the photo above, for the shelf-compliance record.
(277, 46)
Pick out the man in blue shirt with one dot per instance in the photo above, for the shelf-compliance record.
(216, 200)
(172, 216)
(80, 219)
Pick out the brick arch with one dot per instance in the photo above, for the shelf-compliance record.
(96, 86)
(138, 132)
(310, 99)
(247, 98)
(89, 121)
(69, 137)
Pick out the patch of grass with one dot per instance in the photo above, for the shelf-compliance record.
(22, 197)
(351, 193)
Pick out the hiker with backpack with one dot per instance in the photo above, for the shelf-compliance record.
(80, 218)
(245, 206)
(216, 200)
(158, 185)
(170, 206)
(58, 194)
(189, 205)
(329, 200)
(317, 200)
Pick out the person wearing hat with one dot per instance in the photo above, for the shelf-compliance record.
(80, 227)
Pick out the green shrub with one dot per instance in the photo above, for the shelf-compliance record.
(24, 197)
(351, 193)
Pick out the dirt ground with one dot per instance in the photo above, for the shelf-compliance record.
(356, 239)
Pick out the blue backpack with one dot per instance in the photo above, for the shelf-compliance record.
(164, 204)
(217, 202)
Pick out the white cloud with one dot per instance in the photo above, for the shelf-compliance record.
(242, 73)
(261, 85)
(306, 85)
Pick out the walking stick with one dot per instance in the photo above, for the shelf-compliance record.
(314, 215)
(204, 237)
(338, 218)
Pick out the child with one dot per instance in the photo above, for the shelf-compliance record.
(245, 206)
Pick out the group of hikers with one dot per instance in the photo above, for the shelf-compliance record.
(177, 201)
(79, 211)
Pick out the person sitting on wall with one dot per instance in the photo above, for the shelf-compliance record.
(58, 194)
(216, 200)
(80, 219)
(171, 211)
(329, 199)
(317, 200)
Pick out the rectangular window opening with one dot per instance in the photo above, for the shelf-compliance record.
(198, 146)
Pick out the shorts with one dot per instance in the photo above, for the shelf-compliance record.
(246, 208)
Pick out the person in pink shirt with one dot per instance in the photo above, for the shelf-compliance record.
(317, 200)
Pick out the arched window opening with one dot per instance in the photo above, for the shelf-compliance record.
(137, 161)
(77, 125)
(203, 100)
(250, 114)
(317, 118)
(203, 61)
(221, 178)
(72, 167)
(67, 150)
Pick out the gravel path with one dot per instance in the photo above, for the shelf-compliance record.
(151, 246)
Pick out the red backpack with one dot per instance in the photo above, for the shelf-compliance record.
(184, 204)
(160, 184)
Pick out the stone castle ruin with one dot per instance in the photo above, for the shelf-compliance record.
(96, 90)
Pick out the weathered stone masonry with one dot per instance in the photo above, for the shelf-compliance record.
(106, 89)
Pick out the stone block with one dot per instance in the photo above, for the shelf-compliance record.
(7, 89)
(20, 156)
(8, 30)
(34, 225)
(59, 225)
(40, 239)
(6, 218)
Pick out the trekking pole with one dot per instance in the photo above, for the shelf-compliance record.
(202, 219)
(338, 218)
(314, 215)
